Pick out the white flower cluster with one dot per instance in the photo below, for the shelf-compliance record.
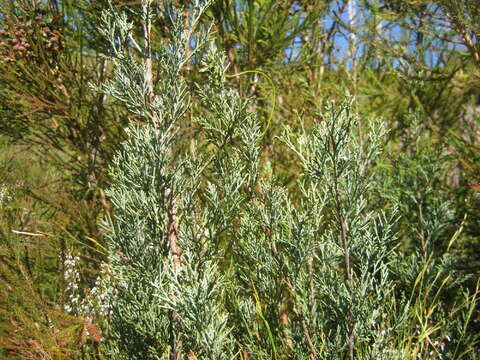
(381, 347)
(89, 303)
(72, 279)
(6, 194)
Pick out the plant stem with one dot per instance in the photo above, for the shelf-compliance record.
(346, 254)
(176, 338)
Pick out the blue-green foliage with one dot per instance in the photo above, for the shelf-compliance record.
(262, 274)
(147, 290)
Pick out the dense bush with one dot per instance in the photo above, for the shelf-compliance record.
(209, 256)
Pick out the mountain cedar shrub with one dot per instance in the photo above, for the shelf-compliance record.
(210, 258)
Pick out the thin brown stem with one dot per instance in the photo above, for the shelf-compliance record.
(175, 252)
(303, 323)
(313, 291)
(148, 73)
(467, 39)
(346, 262)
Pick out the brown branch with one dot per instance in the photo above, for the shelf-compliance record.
(469, 44)
(349, 282)
(303, 323)
(131, 3)
(346, 262)
(148, 73)
(313, 291)
(175, 252)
